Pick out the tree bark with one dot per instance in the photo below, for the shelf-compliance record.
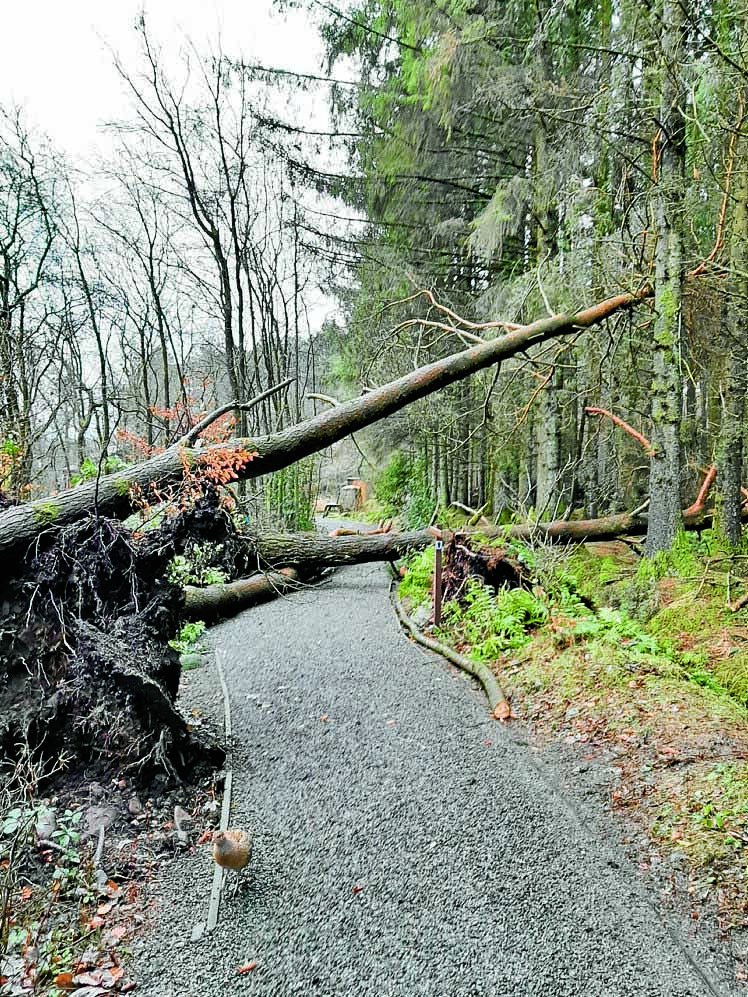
(548, 444)
(670, 148)
(731, 449)
(112, 495)
(308, 552)
(305, 551)
(213, 601)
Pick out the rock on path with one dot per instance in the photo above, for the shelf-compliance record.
(405, 844)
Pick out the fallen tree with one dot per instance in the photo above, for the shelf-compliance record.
(88, 608)
(308, 551)
(310, 554)
(227, 598)
(84, 630)
(116, 495)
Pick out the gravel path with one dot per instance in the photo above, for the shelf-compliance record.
(405, 844)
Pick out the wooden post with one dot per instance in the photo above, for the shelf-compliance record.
(438, 582)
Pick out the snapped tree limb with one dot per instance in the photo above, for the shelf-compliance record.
(190, 437)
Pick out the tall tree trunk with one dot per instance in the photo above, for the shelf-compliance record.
(669, 150)
(548, 442)
(730, 452)
(443, 489)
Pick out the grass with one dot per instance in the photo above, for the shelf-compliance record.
(732, 675)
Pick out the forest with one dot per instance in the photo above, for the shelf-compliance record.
(504, 243)
(519, 231)
(482, 166)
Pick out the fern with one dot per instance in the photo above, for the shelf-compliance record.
(416, 585)
(491, 623)
(614, 627)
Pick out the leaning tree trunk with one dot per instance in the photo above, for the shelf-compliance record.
(115, 494)
(87, 608)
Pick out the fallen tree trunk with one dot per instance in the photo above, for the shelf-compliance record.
(214, 601)
(113, 495)
(607, 528)
(308, 554)
(500, 708)
(307, 551)
(574, 530)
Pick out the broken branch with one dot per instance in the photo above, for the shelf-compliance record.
(189, 438)
(648, 448)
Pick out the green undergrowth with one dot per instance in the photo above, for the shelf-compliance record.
(58, 915)
(199, 565)
(416, 584)
(189, 640)
(647, 657)
(490, 622)
(403, 490)
(669, 615)
(415, 514)
(370, 512)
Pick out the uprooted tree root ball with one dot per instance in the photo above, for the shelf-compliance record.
(465, 558)
(85, 667)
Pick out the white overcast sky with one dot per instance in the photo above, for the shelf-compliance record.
(56, 63)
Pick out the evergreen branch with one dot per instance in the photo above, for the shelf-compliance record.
(365, 27)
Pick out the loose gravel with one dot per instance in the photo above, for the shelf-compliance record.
(405, 843)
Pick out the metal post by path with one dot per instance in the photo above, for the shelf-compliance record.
(439, 546)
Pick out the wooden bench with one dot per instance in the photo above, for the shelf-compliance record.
(332, 507)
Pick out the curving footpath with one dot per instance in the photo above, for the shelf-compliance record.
(405, 843)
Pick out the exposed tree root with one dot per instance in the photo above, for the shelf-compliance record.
(492, 565)
(85, 664)
(500, 708)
